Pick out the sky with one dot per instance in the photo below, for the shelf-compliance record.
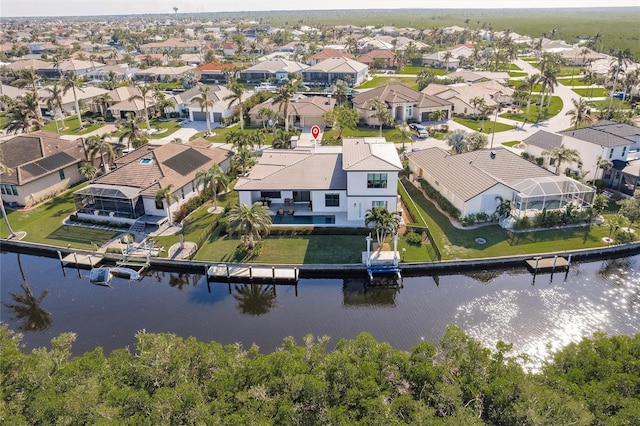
(12, 8)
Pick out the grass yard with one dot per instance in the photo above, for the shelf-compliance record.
(594, 92)
(170, 127)
(487, 128)
(43, 224)
(517, 83)
(382, 81)
(554, 109)
(575, 81)
(3, 120)
(517, 74)
(511, 143)
(72, 126)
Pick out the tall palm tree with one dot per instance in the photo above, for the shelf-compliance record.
(100, 146)
(20, 117)
(618, 64)
(561, 154)
(213, 180)
(384, 223)
(205, 101)
(132, 133)
(405, 134)
(4, 170)
(381, 113)
(477, 103)
(548, 82)
(87, 171)
(235, 97)
(250, 222)
(241, 161)
(282, 98)
(580, 113)
(144, 90)
(166, 196)
(529, 82)
(71, 81)
(27, 77)
(103, 102)
(55, 103)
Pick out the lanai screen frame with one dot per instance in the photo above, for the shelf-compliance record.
(533, 195)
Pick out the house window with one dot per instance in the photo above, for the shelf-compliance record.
(624, 151)
(61, 173)
(182, 192)
(270, 194)
(382, 204)
(611, 153)
(376, 180)
(14, 189)
(159, 205)
(332, 200)
(408, 111)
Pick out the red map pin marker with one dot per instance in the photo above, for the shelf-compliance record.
(315, 132)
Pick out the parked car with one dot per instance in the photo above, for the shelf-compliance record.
(419, 130)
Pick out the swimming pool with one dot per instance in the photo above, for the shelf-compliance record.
(303, 220)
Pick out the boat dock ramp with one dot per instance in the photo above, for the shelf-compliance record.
(228, 272)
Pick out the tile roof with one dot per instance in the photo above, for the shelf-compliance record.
(469, 174)
(598, 137)
(543, 139)
(399, 93)
(37, 154)
(615, 128)
(295, 170)
(214, 66)
(369, 154)
(339, 64)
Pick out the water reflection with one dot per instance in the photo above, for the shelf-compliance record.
(26, 309)
(356, 293)
(255, 299)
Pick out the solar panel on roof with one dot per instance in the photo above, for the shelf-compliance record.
(45, 165)
(187, 161)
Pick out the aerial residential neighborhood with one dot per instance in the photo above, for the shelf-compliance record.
(318, 127)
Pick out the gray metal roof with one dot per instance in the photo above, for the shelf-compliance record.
(598, 137)
(543, 139)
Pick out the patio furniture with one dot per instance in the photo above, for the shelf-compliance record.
(290, 212)
(280, 212)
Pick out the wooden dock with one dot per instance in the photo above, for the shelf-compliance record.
(85, 261)
(226, 272)
(548, 264)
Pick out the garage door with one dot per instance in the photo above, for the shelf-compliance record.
(199, 116)
(313, 121)
(217, 117)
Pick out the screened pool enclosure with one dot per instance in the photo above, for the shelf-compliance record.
(111, 201)
(533, 195)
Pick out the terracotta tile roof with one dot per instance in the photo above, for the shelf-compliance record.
(399, 93)
(215, 66)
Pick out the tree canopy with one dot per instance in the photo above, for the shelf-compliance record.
(166, 379)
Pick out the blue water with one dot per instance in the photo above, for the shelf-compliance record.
(303, 220)
(537, 316)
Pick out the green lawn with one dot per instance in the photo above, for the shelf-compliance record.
(72, 126)
(171, 127)
(575, 81)
(511, 143)
(3, 120)
(457, 243)
(517, 74)
(487, 128)
(412, 70)
(518, 83)
(382, 81)
(596, 92)
(43, 224)
(514, 67)
(554, 109)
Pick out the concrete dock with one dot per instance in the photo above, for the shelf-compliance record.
(249, 273)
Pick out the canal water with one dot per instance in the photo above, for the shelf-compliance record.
(537, 314)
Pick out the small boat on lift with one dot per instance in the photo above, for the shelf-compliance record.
(104, 275)
(100, 276)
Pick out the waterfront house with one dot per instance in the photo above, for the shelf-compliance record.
(220, 109)
(128, 192)
(42, 163)
(476, 182)
(303, 111)
(276, 69)
(325, 186)
(327, 72)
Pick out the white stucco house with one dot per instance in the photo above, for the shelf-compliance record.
(326, 186)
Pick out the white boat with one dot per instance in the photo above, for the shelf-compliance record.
(125, 273)
(100, 276)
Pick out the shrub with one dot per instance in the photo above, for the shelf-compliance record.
(413, 238)
(189, 207)
(522, 223)
(440, 200)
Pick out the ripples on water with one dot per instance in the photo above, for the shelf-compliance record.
(537, 315)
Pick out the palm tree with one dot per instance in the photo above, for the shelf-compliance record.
(237, 91)
(71, 81)
(437, 116)
(384, 223)
(477, 103)
(239, 140)
(381, 113)
(249, 221)
(100, 146)
(132, 133)
(205, 102)
(457, 140)
(283, 98)
(282, 140)
(405, 134)
(548, 82)
(340, 91)
(103, 102)
(446, 57)
(165, 195)
(213, 179)
(5, 170)
(618, 64)
(144, 89)
(561, 154)
(87, 171)
(604, 165)
(21, 117)
(580, 113)
(503, 209)
(241, 161)
(27, 77)
(529, 82)
(55, 103)
(341, 118)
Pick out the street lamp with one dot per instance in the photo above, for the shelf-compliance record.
(496, 97)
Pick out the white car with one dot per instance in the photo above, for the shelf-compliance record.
(419, 130)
